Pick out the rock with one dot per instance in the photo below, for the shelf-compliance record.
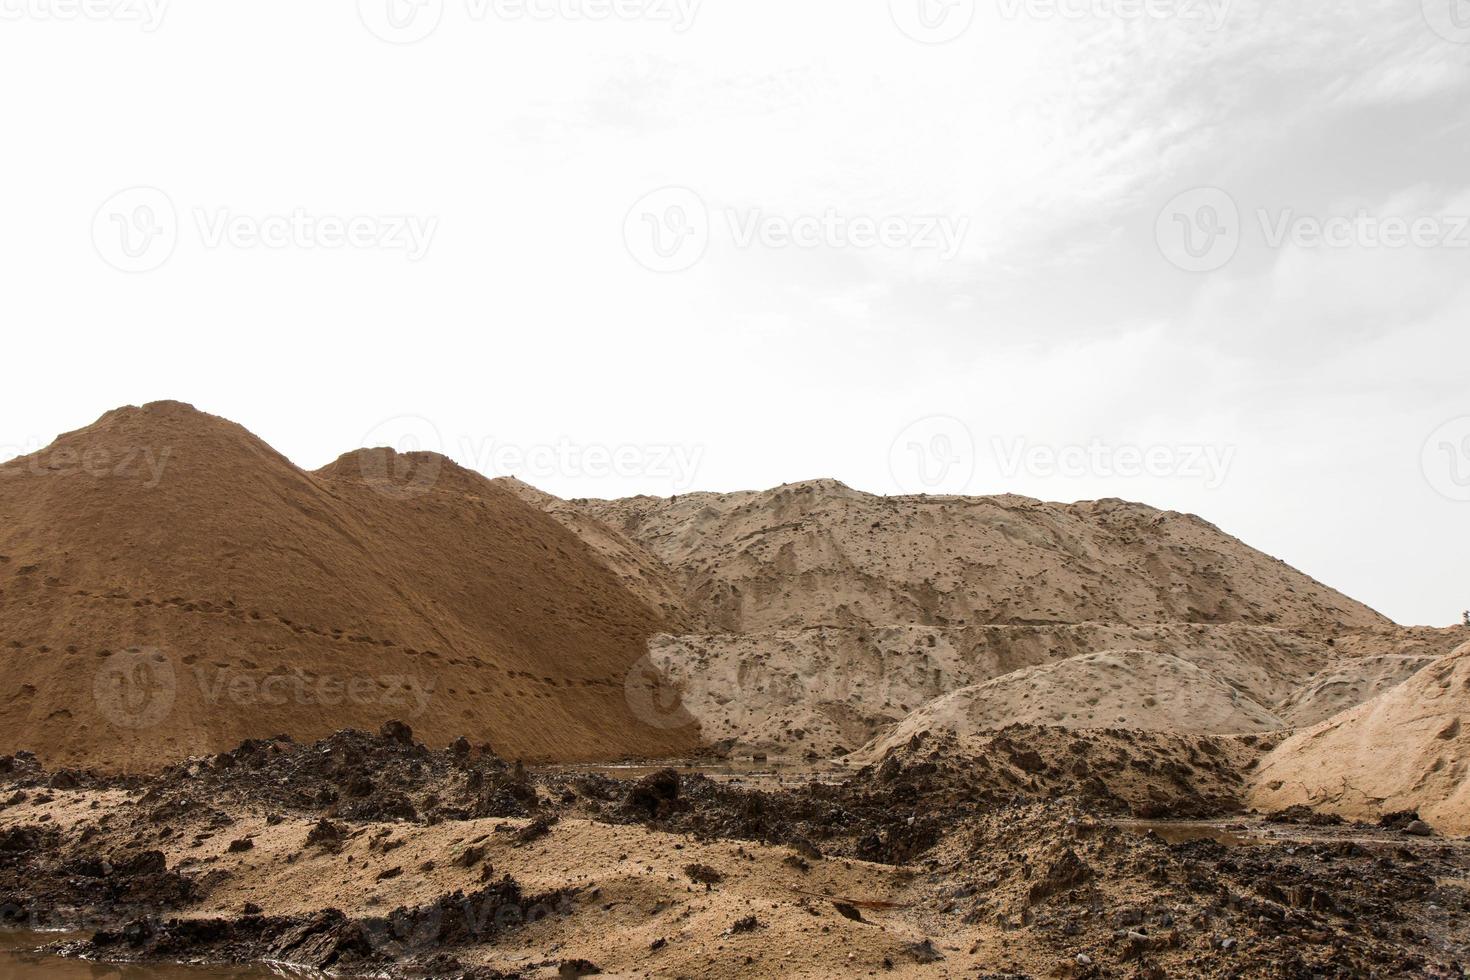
(748, 924)
(326, 835)
(1418, 828)
(703, 874)
(923, 952)
(536, 829)
(243, 844)
(654, 792)
(397, 731)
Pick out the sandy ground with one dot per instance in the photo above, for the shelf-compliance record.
(1407, 749)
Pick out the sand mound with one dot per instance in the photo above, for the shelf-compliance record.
(1118, 689)
(1407, 749)
(1345, 684)
(636, 568)
(823, 689)
(819, 553)
(169, 585)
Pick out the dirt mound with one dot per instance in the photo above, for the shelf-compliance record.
(1014, 863)
(170, 585)
(820, 690)
(819, 553)
(1406, 750)
(1117, 689)
(1345, 684)
(636, 568)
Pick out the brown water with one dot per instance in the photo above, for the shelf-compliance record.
(19, 962)
(760, 775)
(1181, 832)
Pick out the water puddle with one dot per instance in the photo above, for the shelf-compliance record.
(1182, 832)
(18, 961)
(761, 774)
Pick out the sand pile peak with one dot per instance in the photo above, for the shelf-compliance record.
(819, 553)
(1407, 749)
(169, 584)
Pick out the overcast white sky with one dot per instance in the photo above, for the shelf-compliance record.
(1070, 252)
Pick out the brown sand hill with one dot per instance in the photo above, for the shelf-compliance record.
(637, 568)
(819, 553)
(151, 613)
(1407, 749)
(1117, 689)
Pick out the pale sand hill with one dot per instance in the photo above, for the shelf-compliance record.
(1347, 683)
(1118, 689)
(148, 615)
(819, 553)
(1407, 749)
(822, 689)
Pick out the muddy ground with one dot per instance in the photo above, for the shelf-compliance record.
(1034, 852)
